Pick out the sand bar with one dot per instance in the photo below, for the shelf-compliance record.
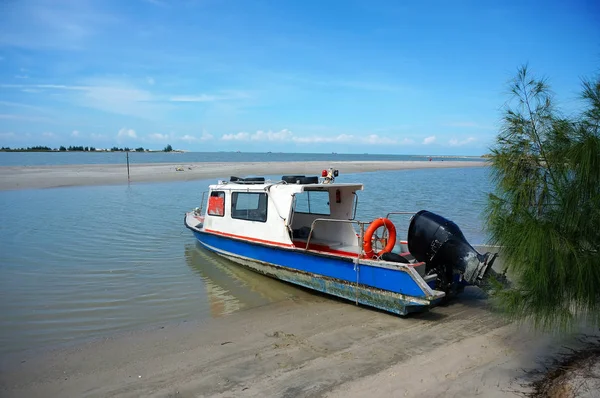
(315, 347)
(28, 177)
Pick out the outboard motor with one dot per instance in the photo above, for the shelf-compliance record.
(441, 244)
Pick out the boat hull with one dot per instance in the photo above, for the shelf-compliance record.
(394, 290)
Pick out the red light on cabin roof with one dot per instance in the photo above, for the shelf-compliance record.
(324, 173)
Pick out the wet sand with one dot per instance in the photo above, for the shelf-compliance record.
(315, 347)
(28, 177)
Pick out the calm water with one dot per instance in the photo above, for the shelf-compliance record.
(78, 263)
(64, 158)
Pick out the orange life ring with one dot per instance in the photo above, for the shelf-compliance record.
(376, 224)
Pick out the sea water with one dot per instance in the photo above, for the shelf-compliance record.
(85, 262)
(70, 158)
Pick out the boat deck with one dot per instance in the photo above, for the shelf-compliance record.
(328, 247)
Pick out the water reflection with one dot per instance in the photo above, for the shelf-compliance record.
(231, 287)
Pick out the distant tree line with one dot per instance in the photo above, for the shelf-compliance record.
(168, 148)
(71, 149)
(28, 149)
(77, 149)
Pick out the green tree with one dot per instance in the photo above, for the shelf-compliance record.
(546, 208)
(168, 148)
(62, 148)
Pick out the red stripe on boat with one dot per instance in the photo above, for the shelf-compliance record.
(297, 244)
(249, 238)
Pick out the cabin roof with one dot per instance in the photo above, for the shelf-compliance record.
(294, 188)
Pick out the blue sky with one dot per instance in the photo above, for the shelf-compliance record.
(353, 76)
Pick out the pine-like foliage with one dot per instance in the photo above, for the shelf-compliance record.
(546, 208)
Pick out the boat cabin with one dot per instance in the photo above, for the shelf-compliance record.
(297, 211)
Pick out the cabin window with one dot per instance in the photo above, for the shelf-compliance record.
(251, 206)
(313, 202)
(216, 204)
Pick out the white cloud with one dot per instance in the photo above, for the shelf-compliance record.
(105, 95)
(126, 133)
(283, 135)
(173, 137)
(288, 136)
(21, 77)
(75, 133)
(455, 142)
(7, 135)
(48, 135)
(150, 80)
(323, 139)
(241, 136)
(407, 141)
(188, 138)
(121, 97)
(429, 140)
(375, 139)
(206, 136)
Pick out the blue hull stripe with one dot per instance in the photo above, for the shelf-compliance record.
(397, 281)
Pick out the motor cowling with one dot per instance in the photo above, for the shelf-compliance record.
(441, 244)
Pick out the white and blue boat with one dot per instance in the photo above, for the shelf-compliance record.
(303, 230)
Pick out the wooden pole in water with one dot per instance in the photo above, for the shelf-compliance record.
(128, 166)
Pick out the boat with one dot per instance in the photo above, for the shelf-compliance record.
(303, 230)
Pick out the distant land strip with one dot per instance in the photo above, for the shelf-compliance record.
(31, 177)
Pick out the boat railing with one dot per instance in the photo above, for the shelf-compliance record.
(400, 212)
(361, 225)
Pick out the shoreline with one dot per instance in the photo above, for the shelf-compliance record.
(36, 177)
(314, 347)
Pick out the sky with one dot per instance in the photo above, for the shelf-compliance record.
(321, 76)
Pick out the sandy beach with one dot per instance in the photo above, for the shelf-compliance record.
(29, 177)
(317, 347)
